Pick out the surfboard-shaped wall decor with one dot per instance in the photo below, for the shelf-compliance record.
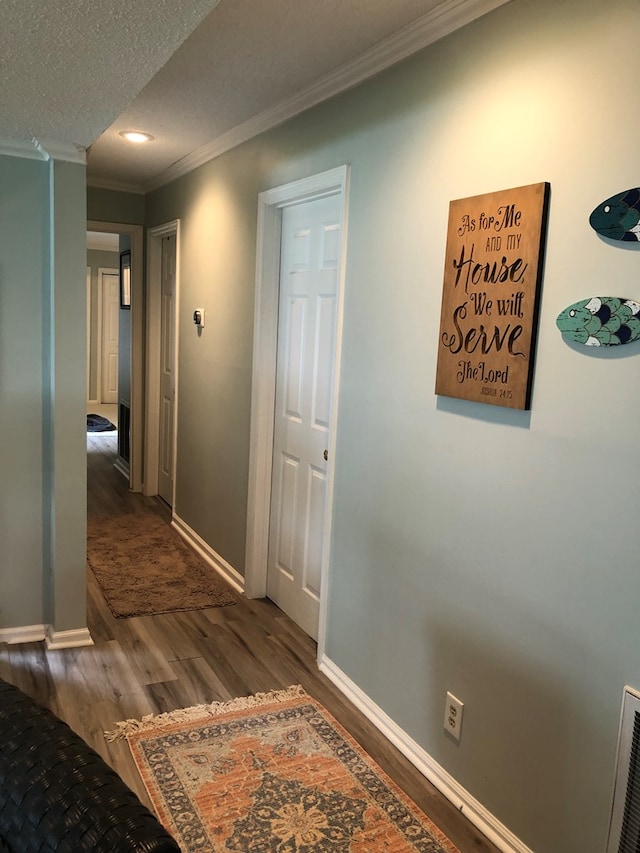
(618, 218)
(602, 321)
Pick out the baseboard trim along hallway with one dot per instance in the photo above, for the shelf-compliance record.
(224, 569)
(474, 811)
(73, 639)
(54, 639)
(23, 634)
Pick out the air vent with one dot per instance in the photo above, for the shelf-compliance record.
(624, 834)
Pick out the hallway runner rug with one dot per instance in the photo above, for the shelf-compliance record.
(144, 567)
(272, 773)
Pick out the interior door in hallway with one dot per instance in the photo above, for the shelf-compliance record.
(167, 369)
(110, 318)
(310, 254)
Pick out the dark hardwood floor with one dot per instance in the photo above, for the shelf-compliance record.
(150, 664)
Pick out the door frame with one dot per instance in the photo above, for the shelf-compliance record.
(154, 330)
(135, 232)
(263, 387)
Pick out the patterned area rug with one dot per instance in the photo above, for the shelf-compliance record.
(144, 567)
(272, 773)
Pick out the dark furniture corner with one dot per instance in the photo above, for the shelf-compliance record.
(57, 793)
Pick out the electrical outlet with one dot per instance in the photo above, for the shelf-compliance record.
(453, 709)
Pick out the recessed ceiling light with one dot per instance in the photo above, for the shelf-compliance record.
(136, 136)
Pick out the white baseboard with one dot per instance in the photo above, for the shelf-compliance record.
(474, 811)
(23, 634)
(224, 569)
(67, 639)
(54, 639)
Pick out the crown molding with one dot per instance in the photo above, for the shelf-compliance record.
(67, 152)
(440, 22)
(43, 149)
(21, 148)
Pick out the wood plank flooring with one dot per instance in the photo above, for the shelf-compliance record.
(150, 664)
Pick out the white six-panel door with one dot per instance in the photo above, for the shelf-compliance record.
(167, 369)
(110, 317)
(310, 258)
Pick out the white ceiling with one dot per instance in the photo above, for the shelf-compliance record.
(199, 75)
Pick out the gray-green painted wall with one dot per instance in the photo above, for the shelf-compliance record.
(42, 390)
(478, 550)
(23, 265)
(217, 206)
(66, 427)
(105, 205)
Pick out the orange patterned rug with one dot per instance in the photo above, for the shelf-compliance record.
(272, 773)
(144, 567)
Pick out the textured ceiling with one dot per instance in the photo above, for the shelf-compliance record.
(247, 56)
(68, 68)
(198, 75)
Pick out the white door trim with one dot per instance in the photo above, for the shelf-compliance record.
(270, 205)
(135, 232)
(154, 317)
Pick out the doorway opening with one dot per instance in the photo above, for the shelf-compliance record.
(115, 370)
(103, 310)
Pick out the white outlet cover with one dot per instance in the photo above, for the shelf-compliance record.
(453, 709)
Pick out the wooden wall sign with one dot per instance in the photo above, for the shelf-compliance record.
(492, 276)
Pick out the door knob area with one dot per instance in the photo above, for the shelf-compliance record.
(326, 455)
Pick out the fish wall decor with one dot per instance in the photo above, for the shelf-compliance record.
(602, 321)
(618, 218)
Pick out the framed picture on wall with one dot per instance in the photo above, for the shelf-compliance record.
(490, 296)
(125, 280)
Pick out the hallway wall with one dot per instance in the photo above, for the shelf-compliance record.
(42, 390)
(479, 550)
(105, 205)
(23, 253)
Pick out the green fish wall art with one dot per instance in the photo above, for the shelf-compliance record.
(602, 321)
(618, 218)
(606, 321)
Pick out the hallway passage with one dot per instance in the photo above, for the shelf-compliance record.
(151, 664)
